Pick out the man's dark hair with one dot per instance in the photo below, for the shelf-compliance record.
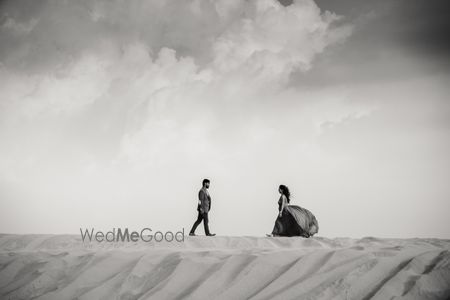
(205, 181)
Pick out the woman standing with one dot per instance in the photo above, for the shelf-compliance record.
(293, 220)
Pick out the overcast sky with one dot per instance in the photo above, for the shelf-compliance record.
(112, 113)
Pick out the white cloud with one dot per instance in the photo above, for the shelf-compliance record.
(111, 102)
(251, 56)
(122, 94)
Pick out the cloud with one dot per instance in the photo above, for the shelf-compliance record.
(79, 56)
(111, 113)
(111, 102)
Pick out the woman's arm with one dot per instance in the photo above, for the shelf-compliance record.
(283, 203)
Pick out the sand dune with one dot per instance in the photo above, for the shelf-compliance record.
(63, 267)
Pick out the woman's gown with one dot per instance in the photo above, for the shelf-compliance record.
(295, 221)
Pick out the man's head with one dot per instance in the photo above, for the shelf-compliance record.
(205, 183)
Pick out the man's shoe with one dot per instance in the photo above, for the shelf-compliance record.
(211, 234)
(191, 234)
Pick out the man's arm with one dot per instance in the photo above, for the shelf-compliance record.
(203, 201)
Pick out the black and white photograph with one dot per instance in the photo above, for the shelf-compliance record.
(225, 149)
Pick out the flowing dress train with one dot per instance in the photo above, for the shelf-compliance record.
(296, 221)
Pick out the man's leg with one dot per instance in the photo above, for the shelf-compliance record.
(199, 220)
(205, 223)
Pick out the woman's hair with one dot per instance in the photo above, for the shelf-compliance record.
(285, 191)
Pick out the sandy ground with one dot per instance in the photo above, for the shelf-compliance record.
(63, 267)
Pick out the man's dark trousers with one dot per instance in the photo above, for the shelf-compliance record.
(201, 217)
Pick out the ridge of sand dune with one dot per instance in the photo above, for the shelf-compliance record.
(63, 267)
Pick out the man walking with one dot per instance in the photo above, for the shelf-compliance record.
(203, 207)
